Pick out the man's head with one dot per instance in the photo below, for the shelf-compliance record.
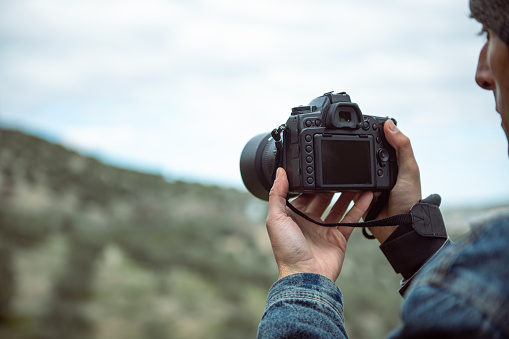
(493, 67)
(493, 14)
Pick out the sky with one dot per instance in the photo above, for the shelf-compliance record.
(178, 87)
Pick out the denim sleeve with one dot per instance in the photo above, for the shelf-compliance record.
(303, 306)
(464, 291)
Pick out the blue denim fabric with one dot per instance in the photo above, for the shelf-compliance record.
(303, 306)
(463, 292)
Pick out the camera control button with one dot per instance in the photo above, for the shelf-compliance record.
(309, 159)
(365, 125)
(318, 122)
(380, 173)
(309, 149)
(308, 138)
(375, 127)
(310, 180)
(383, 155)
(309, 169)
(309, 123)
(379, 140)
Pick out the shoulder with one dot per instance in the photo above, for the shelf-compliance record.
(469, 278)
(497, 220)
(485, 251)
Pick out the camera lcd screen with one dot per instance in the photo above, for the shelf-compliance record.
(346, 162)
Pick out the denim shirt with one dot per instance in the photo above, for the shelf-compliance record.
(462, 292)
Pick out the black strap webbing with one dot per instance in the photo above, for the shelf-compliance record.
(395, 220)
(374, 211)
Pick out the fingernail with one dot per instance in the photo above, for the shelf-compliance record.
(392, 126)
(278, 172)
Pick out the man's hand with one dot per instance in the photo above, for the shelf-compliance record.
(407, 190)
(302, 247)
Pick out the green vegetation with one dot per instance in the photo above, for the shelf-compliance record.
(93, 251)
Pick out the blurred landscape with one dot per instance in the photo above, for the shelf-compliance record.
(88, 250)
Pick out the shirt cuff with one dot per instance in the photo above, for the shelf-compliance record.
(309, 286)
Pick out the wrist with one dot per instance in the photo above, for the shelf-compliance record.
(382, 233)
(285, 271)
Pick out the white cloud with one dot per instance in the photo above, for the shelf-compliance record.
(93, 137)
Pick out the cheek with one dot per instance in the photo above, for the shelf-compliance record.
(501, 75)
(503, 102)
(503, 108)
(499, 64)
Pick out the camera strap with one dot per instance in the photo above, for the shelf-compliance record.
(395, 220)
(424, 217)
(374, 211)
(276, 135)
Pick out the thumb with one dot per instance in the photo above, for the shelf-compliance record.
(406, 159)
(277, 195)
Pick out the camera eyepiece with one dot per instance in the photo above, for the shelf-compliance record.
(343, 115)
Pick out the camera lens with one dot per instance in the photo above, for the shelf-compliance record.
(257, 164)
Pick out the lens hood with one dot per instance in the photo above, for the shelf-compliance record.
(257, 165)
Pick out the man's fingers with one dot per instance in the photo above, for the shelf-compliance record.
(302, 201)
(359, 208)
(319, 204)
(338, 210)
(356, 212)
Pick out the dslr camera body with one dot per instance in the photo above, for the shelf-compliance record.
(327, 146)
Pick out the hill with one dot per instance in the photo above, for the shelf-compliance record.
(88, 250)
(111, 252)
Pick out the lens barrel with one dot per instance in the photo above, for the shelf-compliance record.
(257, 164)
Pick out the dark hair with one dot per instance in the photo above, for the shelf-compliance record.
(493, 14)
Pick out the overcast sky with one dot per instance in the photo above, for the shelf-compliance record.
(178, 87)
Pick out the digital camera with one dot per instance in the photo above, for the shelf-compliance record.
(327, 146)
